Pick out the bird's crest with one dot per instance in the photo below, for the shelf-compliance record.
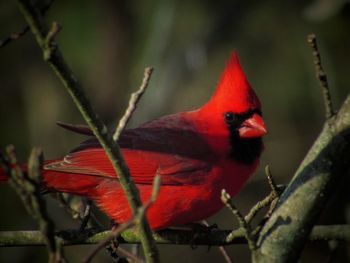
(233, 91)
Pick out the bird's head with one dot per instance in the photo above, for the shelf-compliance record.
(233, 115)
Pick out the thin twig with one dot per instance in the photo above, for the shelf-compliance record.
(258, 206)
(135, 250)
(54, 30)
(46, 225)
(276, 191)
(126, 254)
(271, 199)
(321, 76)
(225, 254)
(226, 199)
(121, 255)
(333, 247)
(50, 40)
(60, 67)
(16, 35)
(271, 181)
(114, 233)
(133, 101)
(27, 185)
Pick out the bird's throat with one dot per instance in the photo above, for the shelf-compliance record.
(245, 151)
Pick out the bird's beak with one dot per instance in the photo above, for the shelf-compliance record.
(253, 127)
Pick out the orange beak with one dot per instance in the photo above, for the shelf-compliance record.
(253, 127)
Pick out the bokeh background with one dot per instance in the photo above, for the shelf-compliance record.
(109, 43)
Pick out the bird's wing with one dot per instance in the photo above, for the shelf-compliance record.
(143, 166)
(175, 152)
(172, 134)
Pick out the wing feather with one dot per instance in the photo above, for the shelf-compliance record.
(174, 170)
(169, 146)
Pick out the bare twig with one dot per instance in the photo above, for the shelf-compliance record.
(276, 191)
(268, 200)
(114, 233)
(60, 67)
(333, 247)
(258, 206)
(225, 254)
(46, 225)
(226, 199)
(16, 35)
(120, 254)
(54, 30)
(271, 181)
(50, 40)
(321, 76)
(28, 188)
(134, 99)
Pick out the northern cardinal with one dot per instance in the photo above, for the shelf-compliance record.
(196, 153)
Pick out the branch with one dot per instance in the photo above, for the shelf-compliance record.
(59, 66)
(165, 237)
(134, 99)
(321, 76)
(327, 162)
(16, 35)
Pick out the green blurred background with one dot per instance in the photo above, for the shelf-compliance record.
(109, 43)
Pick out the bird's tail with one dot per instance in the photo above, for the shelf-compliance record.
(79, 184)
(54, 181)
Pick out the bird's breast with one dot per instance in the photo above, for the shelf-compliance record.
(232, 175)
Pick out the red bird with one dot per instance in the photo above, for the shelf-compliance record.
(196, 153)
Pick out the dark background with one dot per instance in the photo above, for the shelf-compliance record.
(109, 43)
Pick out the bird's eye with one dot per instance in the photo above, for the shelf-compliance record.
(230, 117)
